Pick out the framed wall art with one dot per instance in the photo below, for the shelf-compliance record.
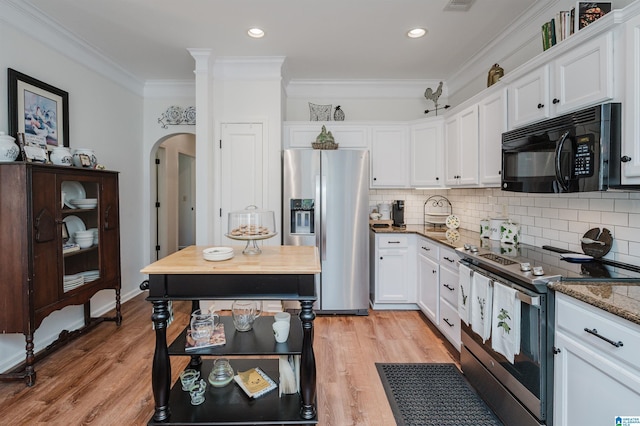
(38, 110)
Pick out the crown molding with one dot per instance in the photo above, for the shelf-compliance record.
(518, 34)
(248, 68)
(22, 15)
(361, 89)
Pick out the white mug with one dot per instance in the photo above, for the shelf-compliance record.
(282, 316)
(281, 331)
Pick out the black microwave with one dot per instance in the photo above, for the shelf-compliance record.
(569, 153)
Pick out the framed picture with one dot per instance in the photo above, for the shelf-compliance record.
(38, 109)
(588, 12)
(85, 160)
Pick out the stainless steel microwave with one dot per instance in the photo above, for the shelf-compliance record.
(569, 153)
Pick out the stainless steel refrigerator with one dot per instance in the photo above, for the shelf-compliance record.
(326, 204)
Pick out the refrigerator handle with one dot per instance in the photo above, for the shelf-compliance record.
(317, 225)
(323, 218)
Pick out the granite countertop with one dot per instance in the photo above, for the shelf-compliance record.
(439, 235)
(619, 298)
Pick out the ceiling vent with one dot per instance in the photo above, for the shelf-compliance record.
(458, 5)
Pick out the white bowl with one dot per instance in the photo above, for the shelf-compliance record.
(83, 234)
(84, 242)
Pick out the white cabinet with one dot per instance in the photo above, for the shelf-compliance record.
(390, 156)
(428, 278)
(449, 322)
(302, 134)
(426, 154)
(492, 114)
(462, 148)
(584, 75)
(438, 287)
(594, 381)
(393, 281)
(631, 132)
(580, 77)
(529, 98)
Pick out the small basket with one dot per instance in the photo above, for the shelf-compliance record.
(324, 145)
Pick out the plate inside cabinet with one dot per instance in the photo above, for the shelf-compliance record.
(601, 245)
(72, 191)
(452, 222)
(74, 224)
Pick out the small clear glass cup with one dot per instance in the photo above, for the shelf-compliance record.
(197, 391)
(188, 378)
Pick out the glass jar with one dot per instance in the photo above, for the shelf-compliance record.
(221, 373)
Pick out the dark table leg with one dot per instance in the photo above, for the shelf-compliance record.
(161, 372)
(307, 362)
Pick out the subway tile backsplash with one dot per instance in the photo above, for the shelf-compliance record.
(559, 220)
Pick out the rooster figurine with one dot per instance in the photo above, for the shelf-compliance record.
(430, 95)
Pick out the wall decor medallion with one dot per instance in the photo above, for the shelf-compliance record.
(37, 110)
(338, 114)
(175, 115)
(320, 112)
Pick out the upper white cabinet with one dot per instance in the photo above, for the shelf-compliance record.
(579, 77)
(301, 135)
(492, 113)
(631, 107)
(426, 154)
(529, 98)
(461, 151)
(390, 156)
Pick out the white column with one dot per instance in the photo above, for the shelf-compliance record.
(205, 143)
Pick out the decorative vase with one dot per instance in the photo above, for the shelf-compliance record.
(89, 153)
(338, 114)
(8, 149)
(61, 156)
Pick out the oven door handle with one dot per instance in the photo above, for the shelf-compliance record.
(529, 300)
(558, 159)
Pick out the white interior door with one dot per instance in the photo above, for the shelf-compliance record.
(186, 201)
(241, 170)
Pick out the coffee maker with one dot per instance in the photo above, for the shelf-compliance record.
(398, 213)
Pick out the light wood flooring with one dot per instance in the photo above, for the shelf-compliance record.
(104, 377)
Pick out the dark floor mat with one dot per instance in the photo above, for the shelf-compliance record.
(433, 394)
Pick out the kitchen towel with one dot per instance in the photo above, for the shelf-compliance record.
(464, 301)
(481, 301)
(505, 331)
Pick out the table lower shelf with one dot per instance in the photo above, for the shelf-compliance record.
(229, 405)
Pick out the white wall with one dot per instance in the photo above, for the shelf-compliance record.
(105, 117)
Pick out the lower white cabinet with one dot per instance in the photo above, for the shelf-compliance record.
(595, 380)
(393, 280)
(428, 278)
(449, 322)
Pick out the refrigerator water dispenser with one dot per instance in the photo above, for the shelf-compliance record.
(302, 217)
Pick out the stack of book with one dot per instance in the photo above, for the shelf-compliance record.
(566, 22)
(255, 382)
(70, 248)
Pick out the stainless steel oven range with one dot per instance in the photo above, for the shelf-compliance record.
(521, 393)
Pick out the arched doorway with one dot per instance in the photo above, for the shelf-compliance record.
(173, 180)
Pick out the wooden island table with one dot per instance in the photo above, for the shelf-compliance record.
(278, 273)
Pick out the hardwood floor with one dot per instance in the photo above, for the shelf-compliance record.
(104, 377)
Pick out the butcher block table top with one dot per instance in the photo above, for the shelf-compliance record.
(272, 260)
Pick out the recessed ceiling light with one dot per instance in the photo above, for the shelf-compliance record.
(255, 33)
(416, 32)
